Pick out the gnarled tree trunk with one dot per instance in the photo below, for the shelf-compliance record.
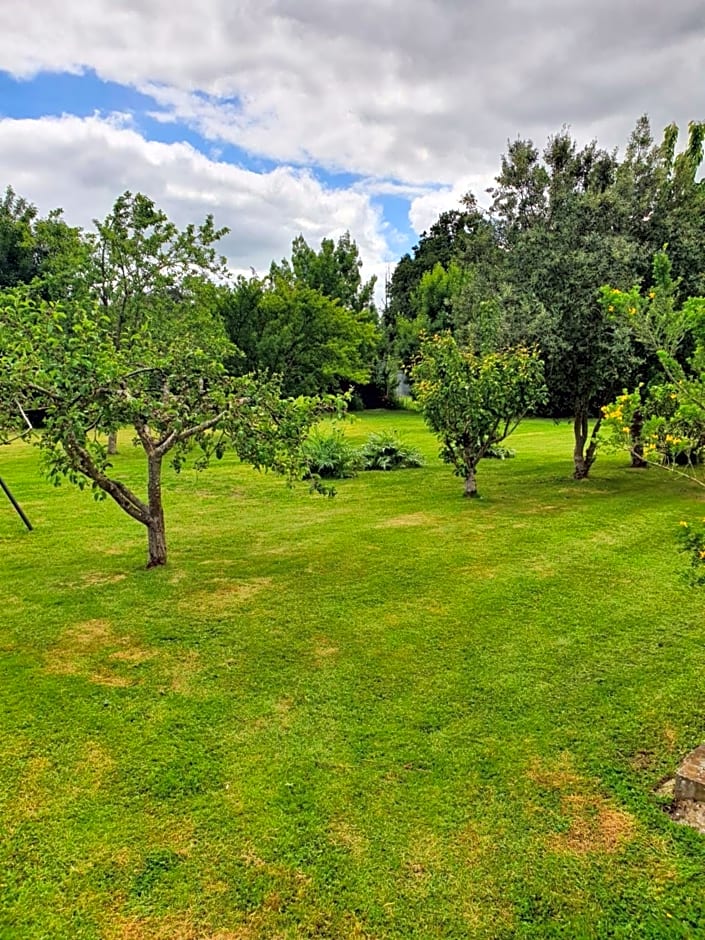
(585, 449)
(637, 446)
(112, 442)
(470, 483)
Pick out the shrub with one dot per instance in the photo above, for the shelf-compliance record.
(386, 451)
(692, 542)
(330, 455)
(501, 453)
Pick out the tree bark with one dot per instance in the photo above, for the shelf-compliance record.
(585, 449)
(155, 527)
(637, 446)
(112, 442)
(470, 483)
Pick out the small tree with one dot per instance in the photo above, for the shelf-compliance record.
(474, 402)
(174, 392)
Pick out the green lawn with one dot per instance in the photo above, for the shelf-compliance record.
(397, 713)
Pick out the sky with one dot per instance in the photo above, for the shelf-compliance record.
(316, 117)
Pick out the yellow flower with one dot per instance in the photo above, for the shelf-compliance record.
(652, 294)
(702, 554)
(625, 430)
(683, 523)
(611, 308)
(632, 311)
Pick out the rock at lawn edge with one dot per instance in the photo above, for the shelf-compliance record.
(690, 777)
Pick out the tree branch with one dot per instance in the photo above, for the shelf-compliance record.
(171, 439)
(122, 495)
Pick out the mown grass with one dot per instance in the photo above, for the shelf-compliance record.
(397, 713)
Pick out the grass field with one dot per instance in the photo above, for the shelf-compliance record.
(392, 714)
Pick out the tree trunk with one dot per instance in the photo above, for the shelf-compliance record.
(155, 529)
(637, 447)
(470, 483)
(112, 442)
(585, 449)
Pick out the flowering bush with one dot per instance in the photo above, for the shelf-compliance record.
(665, 429)
(692, 539)
(474, 402)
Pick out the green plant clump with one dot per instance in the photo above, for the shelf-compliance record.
(330, 456)
(498, 452)
(386, 451)
(692, 542)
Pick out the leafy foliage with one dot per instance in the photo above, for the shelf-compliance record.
(564, 220)
(145, 268)
(20, 257)
(333, 270)
(671, 431)
(691, 536)
(498, 452)
(386, 451)
(330, 456)
(665, 422)
(474, 402)
(311, 321)
(173, 391)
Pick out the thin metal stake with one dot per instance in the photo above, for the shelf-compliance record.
(18, 508)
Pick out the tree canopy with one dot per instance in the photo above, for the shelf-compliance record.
(563, 221)
(311, 320)
(474, 402)
(172, 390)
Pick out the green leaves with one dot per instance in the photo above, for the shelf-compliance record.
(173, 391)
(474, 402)
(286, 328)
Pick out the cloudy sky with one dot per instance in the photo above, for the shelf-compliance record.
(318, 116)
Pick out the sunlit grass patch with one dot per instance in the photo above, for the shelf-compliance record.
(397, 713)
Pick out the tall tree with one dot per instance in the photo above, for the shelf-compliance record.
(311, 320)
(457, 235)
(661, 199)
(451, 272)
(284, 327)
(335, 270)
(556, 218)
(20, 258)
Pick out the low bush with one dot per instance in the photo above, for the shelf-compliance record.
(330, 456)
(386, 451)
(501, 453)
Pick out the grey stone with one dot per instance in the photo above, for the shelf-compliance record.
(690, 777)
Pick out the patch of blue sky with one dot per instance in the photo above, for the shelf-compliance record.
(56, 93)
(395, 211)
(51, 94)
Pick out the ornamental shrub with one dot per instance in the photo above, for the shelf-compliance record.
(386, 451)
(330, 456)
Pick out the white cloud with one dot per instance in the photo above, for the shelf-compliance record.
(425, 208)
(424, 92)
(83, 164)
